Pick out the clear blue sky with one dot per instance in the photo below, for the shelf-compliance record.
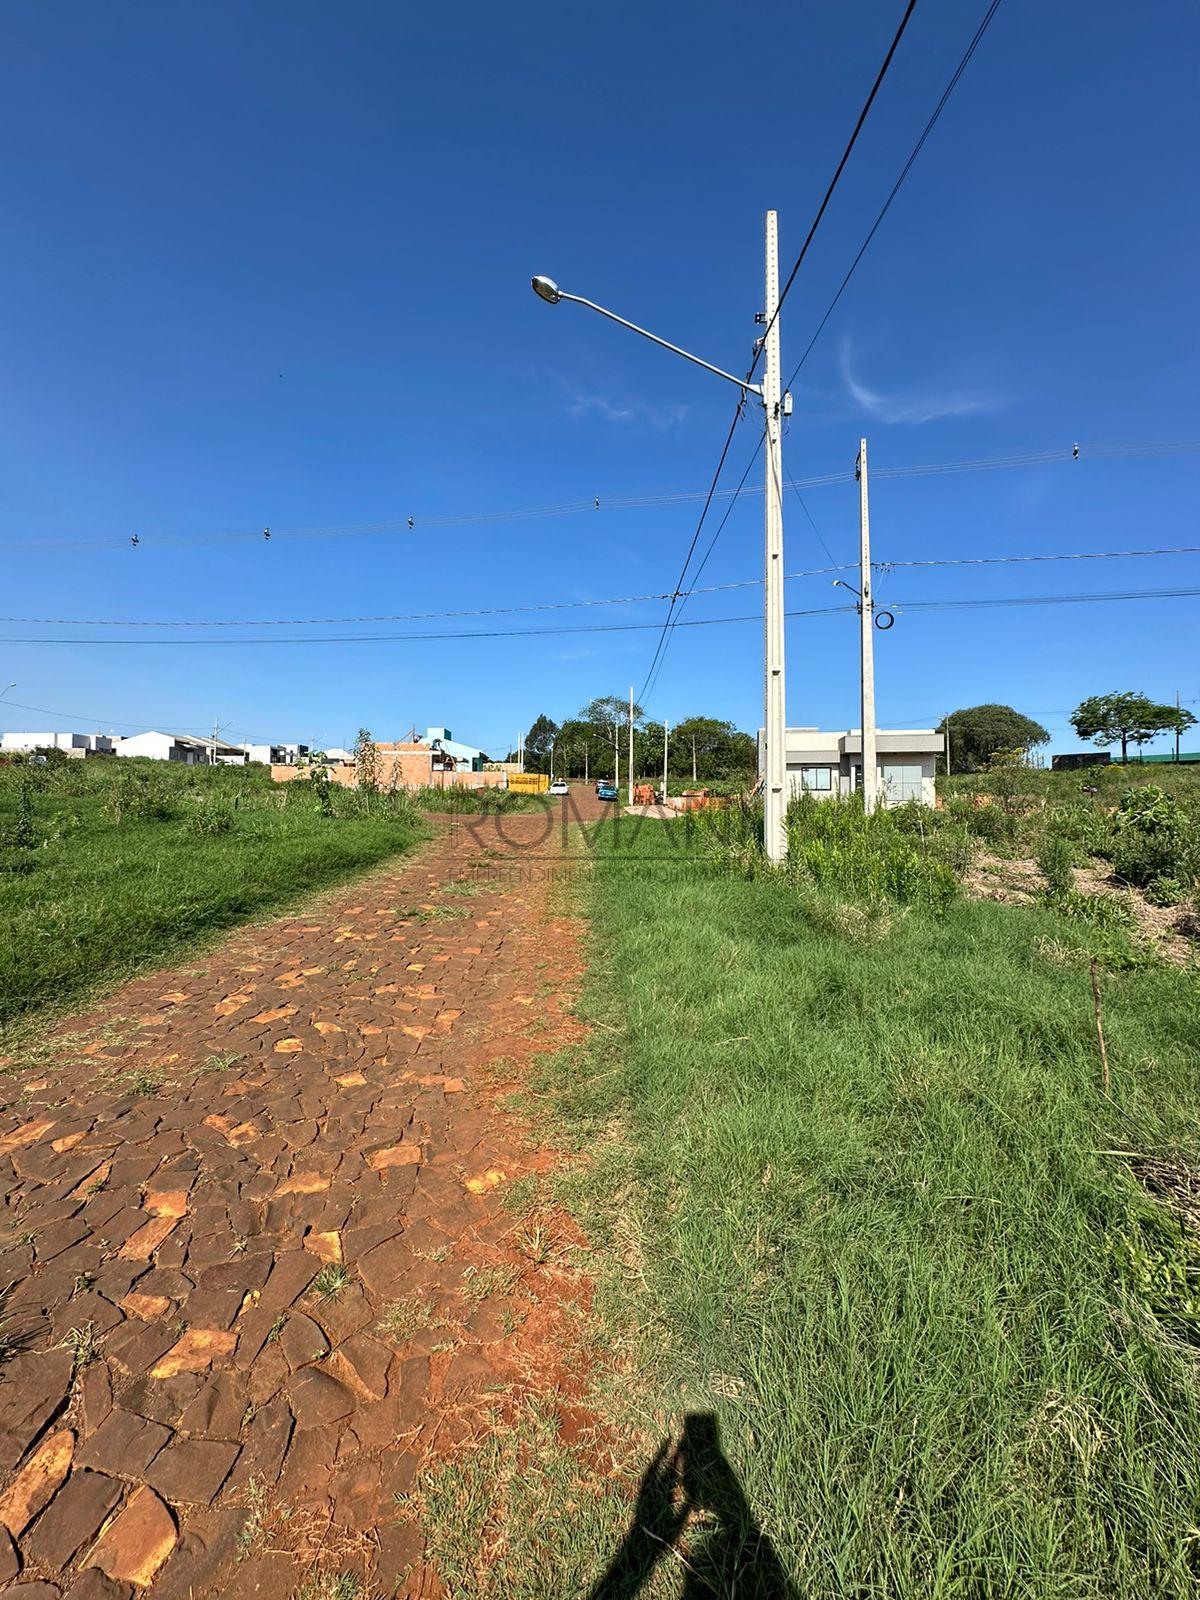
(268, 264)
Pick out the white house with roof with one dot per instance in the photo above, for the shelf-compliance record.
(72, 744)
(466, 757)
(185, 747)
(287, 754)
(829, 764)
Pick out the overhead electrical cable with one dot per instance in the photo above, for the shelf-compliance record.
(899, 183)
(1065, 454)
(619, 627)
(605, 600)
(833, 183)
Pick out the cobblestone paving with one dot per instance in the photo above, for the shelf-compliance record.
(255, 1233)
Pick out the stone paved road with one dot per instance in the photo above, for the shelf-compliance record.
(255, 1233)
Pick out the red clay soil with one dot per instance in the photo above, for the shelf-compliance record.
(216, 1188)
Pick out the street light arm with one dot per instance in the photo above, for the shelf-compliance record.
(742, 383)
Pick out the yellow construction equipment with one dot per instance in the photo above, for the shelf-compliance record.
(528, 782)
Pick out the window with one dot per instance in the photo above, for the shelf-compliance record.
(816, 778)
(900, 781)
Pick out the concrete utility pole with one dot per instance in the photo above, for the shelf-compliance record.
(552, 761)
(1177, 727)
(666, 745)
(946, 720)
(693, 758)
(775, 714)
(630, 744)
(866, 611)
(775, 407)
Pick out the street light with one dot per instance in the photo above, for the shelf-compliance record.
(775, 407)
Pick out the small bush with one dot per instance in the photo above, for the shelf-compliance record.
(211, 818)
(1054, 859)
(1150, 838)
(1166, 891)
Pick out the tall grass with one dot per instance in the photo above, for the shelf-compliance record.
(869, 1192)
(106, 867)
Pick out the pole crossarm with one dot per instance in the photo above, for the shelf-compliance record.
(743, 384)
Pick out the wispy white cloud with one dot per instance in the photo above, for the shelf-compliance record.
(914, 406)
(636, 413)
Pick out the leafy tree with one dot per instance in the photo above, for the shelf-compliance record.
(1179, 719)
(1125, 718)
(977, 733)
(538, 740)
(721, 749)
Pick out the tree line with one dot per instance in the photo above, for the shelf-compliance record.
(705, 749)
(977, 734)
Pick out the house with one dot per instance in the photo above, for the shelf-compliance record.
(184, 747)
(276, 755)
(466, 757)
(77, 745)
(829, 764)
(337, 757)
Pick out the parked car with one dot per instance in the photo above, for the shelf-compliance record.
(559, 787)
(606, 791)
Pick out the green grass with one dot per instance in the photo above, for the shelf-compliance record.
(858, 1198)
(117, 874)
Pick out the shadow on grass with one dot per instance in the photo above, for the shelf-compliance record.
(690, 1489)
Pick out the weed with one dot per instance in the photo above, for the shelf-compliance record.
(83, 1345)
(402, 1319)
(277, 1328)
(521, 1196)
(221, 1063)
(332, 1279)
(480, 1283)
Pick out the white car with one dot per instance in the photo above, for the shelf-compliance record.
(559, 787)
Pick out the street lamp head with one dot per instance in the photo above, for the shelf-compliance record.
(547, 290)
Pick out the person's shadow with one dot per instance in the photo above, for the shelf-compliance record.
(689, 1487)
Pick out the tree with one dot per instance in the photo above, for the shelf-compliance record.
(721, 750)
(1121, 717)
(1179, 720)
(978, 732)
(608, 714)
(537, 744)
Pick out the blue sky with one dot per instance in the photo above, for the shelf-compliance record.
(268, 265)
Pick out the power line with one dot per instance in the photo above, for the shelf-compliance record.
(652, 681)
(904, 172)
(625, 627)
(712, 489)
(761, 344)
(1066, 454)
(833, 183)
(605, 600)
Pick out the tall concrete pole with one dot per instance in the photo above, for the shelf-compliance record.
(870, 763)
(666, 741)
(775, 710)
(630, 744)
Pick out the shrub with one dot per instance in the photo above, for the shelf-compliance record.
(834, 844)
(135, 797)
(212, 817)
(1166, 891)
(1054, 859)
(1150, 838)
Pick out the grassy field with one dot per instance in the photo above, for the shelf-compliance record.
(106, 867)
(866, 1213)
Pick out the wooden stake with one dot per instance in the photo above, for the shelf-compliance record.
(1099, 1021)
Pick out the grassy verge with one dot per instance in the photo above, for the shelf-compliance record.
(109, 867)
(864, 1221)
